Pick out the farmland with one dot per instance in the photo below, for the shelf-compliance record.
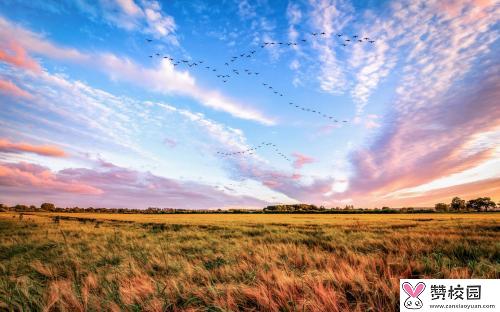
(237, 262)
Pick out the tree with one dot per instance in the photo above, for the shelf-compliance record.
(481, 203)
(457, 204)
(48, 207)
(19, 207)
(441, 207)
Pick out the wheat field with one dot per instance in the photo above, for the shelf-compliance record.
(234, 262)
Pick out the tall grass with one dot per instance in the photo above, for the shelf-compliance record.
(340, 263)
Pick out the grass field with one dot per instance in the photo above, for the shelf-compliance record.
(235, 262)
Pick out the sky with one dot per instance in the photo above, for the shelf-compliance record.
(196, 104)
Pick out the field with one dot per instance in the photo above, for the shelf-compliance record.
(215, 262)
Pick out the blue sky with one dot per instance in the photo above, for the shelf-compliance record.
(89, 118)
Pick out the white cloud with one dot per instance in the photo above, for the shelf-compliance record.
(330, 16)
(145, 16)
(163, 79)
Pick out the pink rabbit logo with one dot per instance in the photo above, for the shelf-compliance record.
(413, 302)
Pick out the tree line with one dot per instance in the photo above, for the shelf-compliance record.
(456, 205)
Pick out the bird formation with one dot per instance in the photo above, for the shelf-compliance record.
(229, 71)
(302, 108)
(252, 150)
(225, 76)
(345, 42)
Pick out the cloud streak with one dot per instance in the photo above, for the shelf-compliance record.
(8, 87)
(301, 160)
(163, 79)
(108, 185)
(44, 150)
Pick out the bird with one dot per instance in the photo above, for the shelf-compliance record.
(149, 40)
(323, 33)
(304, 40)
(339, 35)
(355, 36)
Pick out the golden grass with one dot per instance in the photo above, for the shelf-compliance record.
(235, 262)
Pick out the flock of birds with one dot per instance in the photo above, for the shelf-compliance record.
(230, 71)
(251, 151)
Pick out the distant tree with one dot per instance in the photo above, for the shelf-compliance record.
(20, 207)
(480, 203)
(457, 204)
(441, 207)
(48, 207)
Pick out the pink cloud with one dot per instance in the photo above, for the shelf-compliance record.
(301, 160)
(170, 142)
(45, 150)
(13, 53)
(8, 87)
(454, 8)
(487, 187)
(438, 142)
(112, 186)
(29, 176)
(371, 122)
